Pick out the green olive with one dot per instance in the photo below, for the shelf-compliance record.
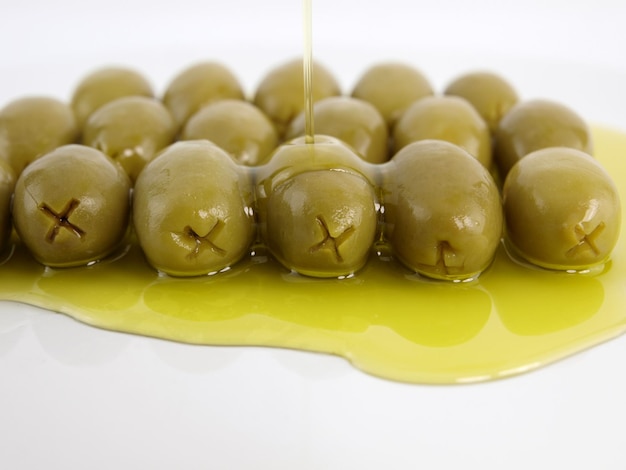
(442, 211)
(354, 121)
(490, 94)
(131, 130)
(317, 211)
(280, 95)
(197, 86)
(562, 209)
(537, 124)
(71, 206)
(104, 85)
(7, 183)
(33, 126)
(191, 210)
(392, 87)
(448, 118)
(238, 127)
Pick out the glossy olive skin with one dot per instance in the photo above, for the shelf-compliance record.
(392, 87)
(104, 85)
(238, 127)
(280, 94)
(131, 130)
(33, 126)
(354, 121)
(7, 183)
(197, 86)
(448, 118)
(71, 206)
(562, 209)
(191, 210)
(442, 211)
(537, 124)
(490, 94)
(317, 211)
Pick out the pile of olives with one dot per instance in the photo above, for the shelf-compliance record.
(203, 175)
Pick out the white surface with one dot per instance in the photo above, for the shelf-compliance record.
(74, 397)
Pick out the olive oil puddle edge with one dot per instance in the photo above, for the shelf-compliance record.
(388, 323)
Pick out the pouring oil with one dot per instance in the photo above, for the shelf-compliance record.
(309, 131)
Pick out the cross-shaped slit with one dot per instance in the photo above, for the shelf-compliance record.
(446, 260)
(61, 220)
(443, 250)
(330, 242)
(586, 240)
(202, 242)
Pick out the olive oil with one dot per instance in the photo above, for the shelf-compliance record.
(384, 320)
(309, 130)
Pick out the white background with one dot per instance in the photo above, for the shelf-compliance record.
(73, 397)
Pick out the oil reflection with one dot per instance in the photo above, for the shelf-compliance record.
(12, 324)
(460, 314)
(541, 302)
(194, 359)
(73, 343)
(95, 287)
(426, 313)
(18, 273)
(221, 296)
(71, 290)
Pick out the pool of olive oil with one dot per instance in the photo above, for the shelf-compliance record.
(384, 320)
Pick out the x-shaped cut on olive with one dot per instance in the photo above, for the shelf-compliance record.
(204, 241)
(586, 240)
(443, 248)
(61, 220)
(330, 242)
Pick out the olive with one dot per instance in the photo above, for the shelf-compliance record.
(442, 211)
(71, 206)
(131, 130)
(197, 86)
(354, 121)
(537, 124)
(562, 209)
(490, 94)
(192, 210)
(104, 85)
(33, 126)
(7, 183)
(280, 95)
(448, 118)
(392, 87)
(317, 211)
(238, 127)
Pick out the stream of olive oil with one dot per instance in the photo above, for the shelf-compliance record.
(309, 130)
(384, 320)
